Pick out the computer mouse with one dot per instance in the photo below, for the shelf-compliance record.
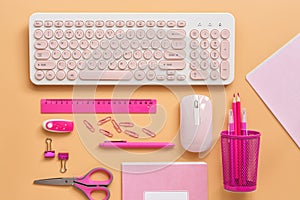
(196, 123)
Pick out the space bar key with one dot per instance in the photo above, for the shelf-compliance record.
(106, 75)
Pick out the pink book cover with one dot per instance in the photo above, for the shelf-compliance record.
(277, 83)
(164, 181)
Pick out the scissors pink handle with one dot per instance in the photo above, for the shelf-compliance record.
(88, 186)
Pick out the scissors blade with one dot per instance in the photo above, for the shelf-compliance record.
(55, 181)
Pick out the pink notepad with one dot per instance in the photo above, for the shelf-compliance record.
(164, 181)
(277, 82)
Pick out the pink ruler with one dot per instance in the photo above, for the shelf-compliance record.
(98, 106)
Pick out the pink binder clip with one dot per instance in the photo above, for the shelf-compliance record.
(89, 126)
(49, 153)
(63, 157)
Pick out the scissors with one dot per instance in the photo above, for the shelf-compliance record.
(84, 183)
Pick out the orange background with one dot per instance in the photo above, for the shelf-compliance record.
(261, 28)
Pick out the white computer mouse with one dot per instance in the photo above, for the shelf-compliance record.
(196, 123)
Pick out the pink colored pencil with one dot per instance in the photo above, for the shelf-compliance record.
(238, 118)
(236, 172)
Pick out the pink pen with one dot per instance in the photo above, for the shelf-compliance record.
(236, 159)
(244, 147)
(135, 145)
(231, 132)
(238, 123)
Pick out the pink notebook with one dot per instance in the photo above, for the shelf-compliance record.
(164, 181)
(277, 82)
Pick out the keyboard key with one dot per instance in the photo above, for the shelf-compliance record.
(71, 64)
(48, 34)
(174, 54)
(69, 33)
(107, 54)
(61, 64)
(170, 72)
(214, 33)
(204, 34)
(63, 44)
(66, 54)
(214, 44)
(130, 23)
(69, 23)
(176, 65)
(124, 44)
(194, 64)
(109, 33)
(181, 23)
(94, 44)
(194, 44)
(99, 34)
(53, 44)
(225, 33)
(155, 44)
(127, 54)
(38, 34)
(165, 44)
(40, 44)
(158, 54)
(147, 54)
(194, 34)
(38, 23)
(42, 54)
(150, 34)
(91, 64)
(81, 64)
(214, 64)
(121, 75)
(89, 34)
(120, 23)
(102, 64)
(72, 75)
(139, 75)
(224, 69)
(178, 44)
(117, 54)
(160, 77)
(171, 78)
(39, 75)
(224, 49)
(142, 64)
(86, 54)
(56, 54)
(214, 54)
(150, 23)
(171, 23)
(48, 23)
(112, 64)
(214, 74)
(176, 34)
(99, 23)
(122, 64)
(120, 34)
(60, 75)
(132, 64)
(181, 77)
(140, 34)
(89, 23)
(161, 23)
(109, 23)
(160, 34)
(76, 54)
(44, 64)
(114, 44)
(140, 23)
(145, 44)
(104, 44)
(73, 44)
(134, 44)
(152, 64)
(50, 75)
(96, 54)
(79, 23)
(130, 33)
(204, 44)
(204, 64)
(199, 75)
(194, 54)
(204, 54)
(58, 23)
(150, 75)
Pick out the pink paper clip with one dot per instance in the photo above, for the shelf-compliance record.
(148, 132)
(89, 126)
(106, 133)
(104, 120)
(131, 133)
(116, 126)
(126, 124)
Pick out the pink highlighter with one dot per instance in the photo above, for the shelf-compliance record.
(135, 145)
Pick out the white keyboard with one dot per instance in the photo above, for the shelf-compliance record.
(131, 48)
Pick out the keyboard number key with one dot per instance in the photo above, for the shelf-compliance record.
(224, 69)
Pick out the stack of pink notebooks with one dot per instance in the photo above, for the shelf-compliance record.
(164, 181)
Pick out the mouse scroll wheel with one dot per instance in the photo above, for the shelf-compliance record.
(196, 104)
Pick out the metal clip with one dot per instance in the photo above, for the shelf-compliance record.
(63, 157)
(49, 153)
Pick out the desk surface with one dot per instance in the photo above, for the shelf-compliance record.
(262, 27)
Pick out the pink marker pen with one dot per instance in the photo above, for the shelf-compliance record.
(231, 132)
(244, 146)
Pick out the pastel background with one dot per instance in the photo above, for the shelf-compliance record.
(261, 28)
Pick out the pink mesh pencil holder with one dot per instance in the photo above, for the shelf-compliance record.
(240, 161)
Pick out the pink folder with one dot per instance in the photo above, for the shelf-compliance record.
(156, 180)
(277, 82)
